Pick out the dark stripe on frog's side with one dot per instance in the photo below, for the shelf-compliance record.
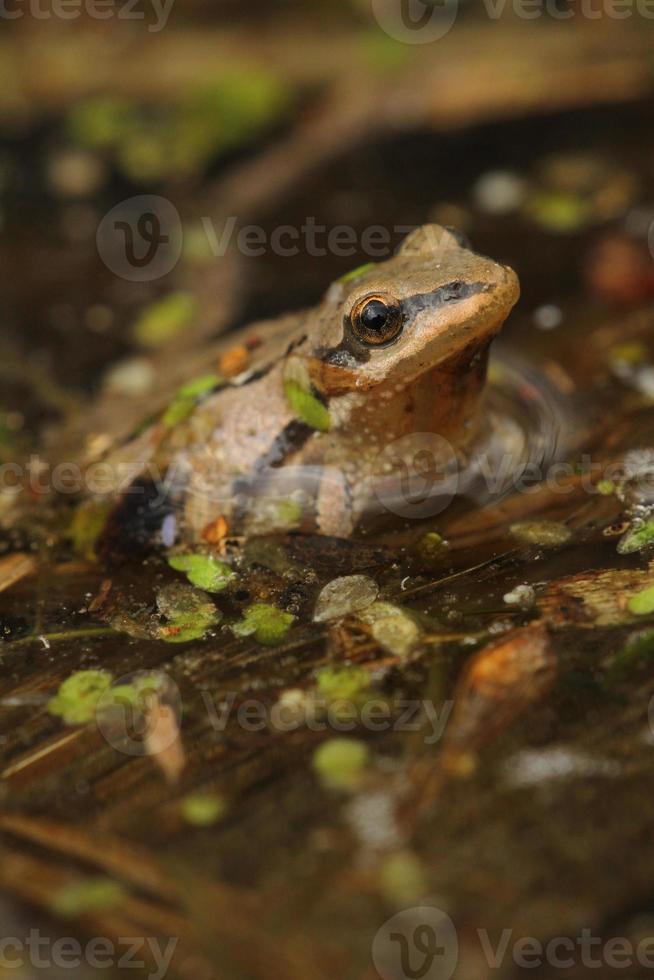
(267, 367)
(351, 352)
(289, 441)
(452, 292)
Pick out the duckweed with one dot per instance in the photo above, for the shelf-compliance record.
(548, 534)
(343, 683)
(87, 525)
(636, 538)
(189, 613)
(202, 809)
(76, 700)
(340, 762)
(642, 603)
(402, 878)
(393, 629)
(268, 624)
(164, 319)
(204, 571)
(91, 895)
(344, 595)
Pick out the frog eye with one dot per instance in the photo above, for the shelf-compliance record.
(376, 319)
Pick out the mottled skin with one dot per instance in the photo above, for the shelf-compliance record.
(244, 450)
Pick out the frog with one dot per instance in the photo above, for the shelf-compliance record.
(395, 353)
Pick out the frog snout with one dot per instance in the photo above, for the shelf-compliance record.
(510, 285)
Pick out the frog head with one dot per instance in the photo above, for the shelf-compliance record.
(435, 306)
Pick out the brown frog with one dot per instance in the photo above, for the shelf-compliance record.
(396, 353)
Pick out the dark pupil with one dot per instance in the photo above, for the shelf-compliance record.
(374, 316)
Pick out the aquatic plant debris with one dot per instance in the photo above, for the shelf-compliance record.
(76, 700)
(402, 878)
(268, 624)
(522, 595)
(341, 762)
(393, 629)
(135, 694)
(101, 121)
(529, 767)
(164, 319)
(343, 683)
(638, 650)
(87, 525)
(547, 534)
(90, 895)
(187, 397)
(636, 538)
(307, 407)
(189, 612)
(642, 603)
(202, 809)
(344, 595)
(432, 545)
(205, 571)
(558, 212)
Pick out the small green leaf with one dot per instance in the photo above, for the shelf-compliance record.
(189, 612)
(87, 525)
(559, 212)
(161, 321)
(204, 571)
(268, 624)
(77, 698)
(202, 809)
(356, 273)
(343, 683)
(102, 121)
(606, 488)
(91, 895)
(187, 397)
(642, 603)
(340, 762)
(307, 407)
(636, 538)
(199, 386)
(638, 650)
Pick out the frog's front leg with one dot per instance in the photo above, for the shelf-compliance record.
(334, 507)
